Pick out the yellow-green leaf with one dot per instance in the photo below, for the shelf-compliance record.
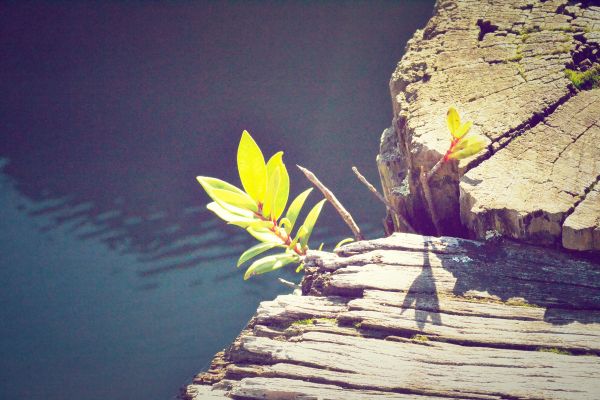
(264, 235)
(252, 168)
(343, 242)
(468, 146)
(255, 223)
(286, 224)
(294, 209)
(283, 189)
(453, 120)
(463, 130)
(309, 222)
(235, 199)
(209, 184)
(301, 232)
(227, 215)
(270, 263)
(271, 195)
(300, 267)
(256, 250)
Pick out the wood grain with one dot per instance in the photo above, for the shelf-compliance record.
(392, 319)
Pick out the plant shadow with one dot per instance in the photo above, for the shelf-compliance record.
(422, 295)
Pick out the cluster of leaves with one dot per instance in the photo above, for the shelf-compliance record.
(462, 145)
(259, 208)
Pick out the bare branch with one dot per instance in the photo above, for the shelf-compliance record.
(289, 284)
(334, 201)
(383, 200)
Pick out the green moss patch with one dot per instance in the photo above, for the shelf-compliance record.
(518, 301)
(555, 350)
(308, 321)
(584, 80)
(312, 321)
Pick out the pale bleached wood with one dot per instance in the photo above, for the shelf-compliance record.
(408, 241)
(447, 318)
(286, 309)
(514, 308)
(496, 269)
(491, 284)
(496, 260)
(204, 392)
(449, 304)
(294, 389)
(476, 330)
(477, 345)
(437, 369)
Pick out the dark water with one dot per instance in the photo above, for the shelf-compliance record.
(116, 282)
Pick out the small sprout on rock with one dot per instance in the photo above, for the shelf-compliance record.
(420, 338)
(343, 242)
(462, 145)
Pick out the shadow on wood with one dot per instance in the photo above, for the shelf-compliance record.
(385, 318)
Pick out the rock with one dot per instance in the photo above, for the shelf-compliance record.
(581, 230)
(502, 65)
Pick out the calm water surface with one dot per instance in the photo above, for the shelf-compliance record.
(116, 282)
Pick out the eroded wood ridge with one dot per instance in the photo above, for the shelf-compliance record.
(502, 64)
(412, 316)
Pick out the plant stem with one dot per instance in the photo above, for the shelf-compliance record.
(435, 168)
(287, 240)
(427, 194)
(335, 202)
(383, 199)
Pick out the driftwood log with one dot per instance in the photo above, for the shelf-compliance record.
(503, 65)
(417, 317)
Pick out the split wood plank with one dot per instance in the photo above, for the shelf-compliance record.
(398, 318)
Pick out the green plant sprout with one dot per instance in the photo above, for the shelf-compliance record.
(462, 145)
(259, 208)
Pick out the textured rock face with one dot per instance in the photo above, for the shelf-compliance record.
(501, 64)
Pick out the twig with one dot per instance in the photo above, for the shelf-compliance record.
(435, 168)
(427, 194)
(383, 199)
(289, 284)
(335, 202)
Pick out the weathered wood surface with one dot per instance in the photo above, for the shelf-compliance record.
(502, 64)
(411, 316)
